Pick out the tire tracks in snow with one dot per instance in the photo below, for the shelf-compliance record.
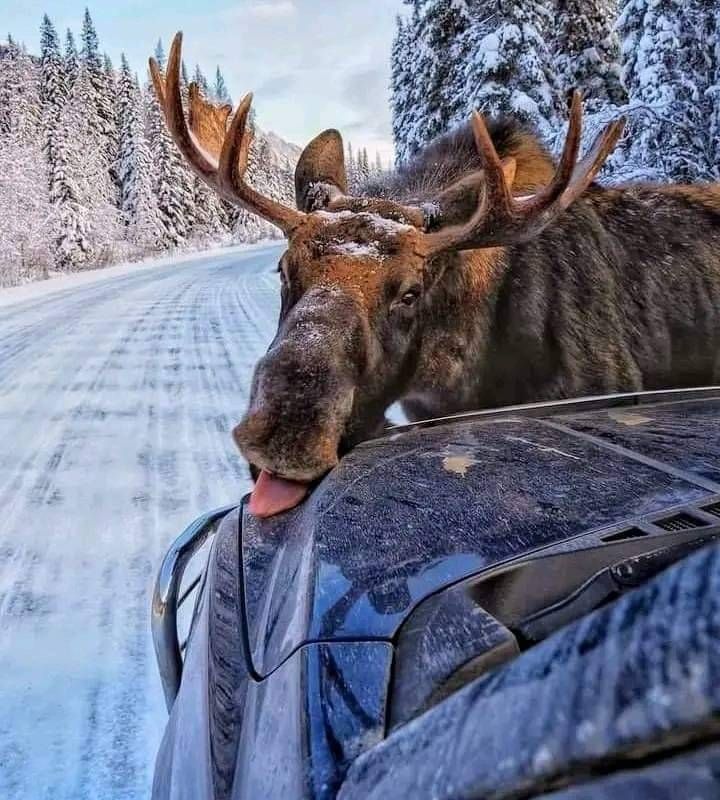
(116, 405)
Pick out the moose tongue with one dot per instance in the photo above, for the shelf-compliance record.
(272, 495)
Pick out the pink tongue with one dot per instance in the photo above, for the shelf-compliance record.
(272, 495)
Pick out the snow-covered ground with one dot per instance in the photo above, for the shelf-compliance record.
(117, 398)
(71, 280)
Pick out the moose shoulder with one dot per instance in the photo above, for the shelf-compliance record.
(620, 292)
(483, 274)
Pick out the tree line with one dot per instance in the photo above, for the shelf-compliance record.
(656, 61)
(88, 172)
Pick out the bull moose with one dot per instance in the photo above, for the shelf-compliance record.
(484, 275)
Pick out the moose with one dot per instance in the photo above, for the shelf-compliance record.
(483, 274)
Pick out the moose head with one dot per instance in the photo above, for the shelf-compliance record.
(359, 278)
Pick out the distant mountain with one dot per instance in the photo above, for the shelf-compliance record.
(281, 149)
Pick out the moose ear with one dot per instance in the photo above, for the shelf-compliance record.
(321, 167)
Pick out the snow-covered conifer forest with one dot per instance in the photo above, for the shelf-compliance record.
(88, 173)
(656, 61)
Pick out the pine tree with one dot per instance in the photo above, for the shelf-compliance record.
(70, 60)
(27, 218)
(100, 91)
(401, 78)
(408, 62)
(172, 185)
(444, 26)
(450, 57)
(510, 70)
(669, 77)
(208, 217)
(247, 227)
(363, 166)
(202, 82)
(270, 178)
(713, 94)
(351, 169)
(53, 86)
(53, 99)
(110, 111)
(56, 190)
(90, 46)
(220, 92)
(85, 197)
(587, 51)
(134, 166)
(20, 109)
(160, 54)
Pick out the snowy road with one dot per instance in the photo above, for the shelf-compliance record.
(116, 405)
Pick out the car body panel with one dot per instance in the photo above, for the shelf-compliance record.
(293, 734)
(306, 723)
(680, 435)
(695, 775)
(403, 516)
(638, 677)
(410, 557)
(186, 739)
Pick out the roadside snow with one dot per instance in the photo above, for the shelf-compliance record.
(59, 281)
(117, 401)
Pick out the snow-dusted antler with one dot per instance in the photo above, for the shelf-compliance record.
(225, 174)
(502, 219)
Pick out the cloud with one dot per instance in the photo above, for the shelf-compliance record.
(366, 85)
(365, 92)
(310, 64)
(266, 9)
(277, 86)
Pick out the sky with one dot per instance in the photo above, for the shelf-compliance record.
(311, 64)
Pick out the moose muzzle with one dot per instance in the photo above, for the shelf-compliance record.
(302, 398)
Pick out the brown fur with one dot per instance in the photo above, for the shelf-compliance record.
(454, 156)
(707, 195)
(535, 168)
(621, 292)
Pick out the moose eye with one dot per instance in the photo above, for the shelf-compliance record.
(409, 296)
(406, 300)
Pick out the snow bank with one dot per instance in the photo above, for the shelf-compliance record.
(61, 281)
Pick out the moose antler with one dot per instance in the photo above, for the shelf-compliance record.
(502, 219)
(226, 173)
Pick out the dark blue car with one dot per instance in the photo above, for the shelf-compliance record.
(507, 604)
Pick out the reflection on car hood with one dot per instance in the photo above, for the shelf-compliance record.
(405, 515)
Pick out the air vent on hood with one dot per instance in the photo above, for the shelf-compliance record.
(679, 522)
(628, 533)
(713, 508)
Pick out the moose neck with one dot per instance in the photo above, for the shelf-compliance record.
(457, 327)
(456, 350)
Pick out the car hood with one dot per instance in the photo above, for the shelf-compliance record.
(404, 516)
